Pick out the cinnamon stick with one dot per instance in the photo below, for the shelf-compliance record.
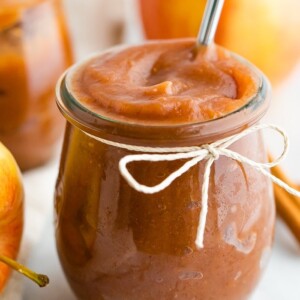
(278, 172)
(288, 210)
(287, 205)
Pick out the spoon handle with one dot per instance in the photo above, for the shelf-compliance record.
(210, 22)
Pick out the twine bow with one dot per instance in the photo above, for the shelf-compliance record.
(209, 153)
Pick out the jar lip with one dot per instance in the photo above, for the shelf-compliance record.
(82, 117)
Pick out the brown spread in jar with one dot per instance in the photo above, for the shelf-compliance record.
(117, 243)
(164, 83)
(34, 51)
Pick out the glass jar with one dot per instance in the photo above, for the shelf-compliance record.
(34, 51)
(117, 243)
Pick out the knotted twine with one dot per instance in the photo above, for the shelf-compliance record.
(195, 154)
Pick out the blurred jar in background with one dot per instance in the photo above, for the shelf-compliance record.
(95, 24)
(34, 51)
(263, 31)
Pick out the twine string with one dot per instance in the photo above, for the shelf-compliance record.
(209, 153)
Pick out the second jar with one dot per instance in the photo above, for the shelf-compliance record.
(34, 51)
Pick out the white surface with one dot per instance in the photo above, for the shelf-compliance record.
(281, 280)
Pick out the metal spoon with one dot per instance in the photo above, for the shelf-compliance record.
(210, 22)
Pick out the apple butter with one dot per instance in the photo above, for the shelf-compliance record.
(117, 243)
(34, 51)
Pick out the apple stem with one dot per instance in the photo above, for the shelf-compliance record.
(40, 279)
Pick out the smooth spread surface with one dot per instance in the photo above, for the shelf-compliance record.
(163, 83)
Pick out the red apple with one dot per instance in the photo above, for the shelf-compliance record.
(263, 31)
(11, 218)
(11, 210)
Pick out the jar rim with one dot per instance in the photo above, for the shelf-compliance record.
(94, 123)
